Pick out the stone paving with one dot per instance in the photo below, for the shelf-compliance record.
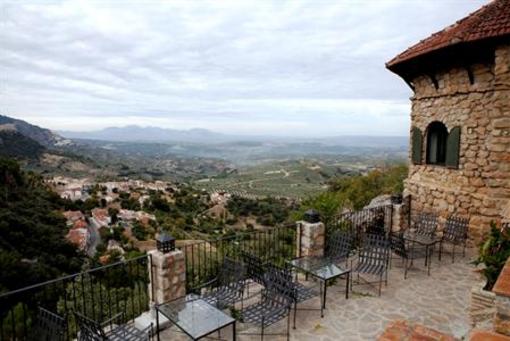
(439, 301)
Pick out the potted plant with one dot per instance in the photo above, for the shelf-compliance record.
(493, 254)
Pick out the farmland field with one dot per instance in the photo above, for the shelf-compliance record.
(295, 179)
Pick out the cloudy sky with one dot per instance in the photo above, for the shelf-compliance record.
(266, 67)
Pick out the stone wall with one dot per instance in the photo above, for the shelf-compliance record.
(168, 276)
(310, 239)
(483, 305)
(480, 187)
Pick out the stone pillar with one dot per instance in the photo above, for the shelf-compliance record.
(310, 239)
(398, 218)
(168, 276)
(502, 291)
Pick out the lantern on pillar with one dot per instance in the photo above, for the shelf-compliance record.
(165, 242)
(312, 216)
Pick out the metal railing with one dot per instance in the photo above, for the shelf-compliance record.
(204, 257)
(369, 220)
(99, 293)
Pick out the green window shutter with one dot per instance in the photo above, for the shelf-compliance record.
(453, 148)
(416, 144)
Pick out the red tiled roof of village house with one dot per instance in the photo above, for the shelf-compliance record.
(80, 224)
(100, 213)
(73, 215)
(490, 21)
(76, 237)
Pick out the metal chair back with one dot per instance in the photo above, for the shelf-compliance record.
(426, 224)
(456, 229)
(49, 326)
(231, 275)
(375, 250)
(280, 289)
(90, 330)
(255, 268)
(339, 245)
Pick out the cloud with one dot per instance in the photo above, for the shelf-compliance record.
(233, 66)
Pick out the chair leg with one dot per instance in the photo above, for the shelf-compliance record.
(405, 269)
(380, 284)
(440, 249)
(288, 324)
(295, 312)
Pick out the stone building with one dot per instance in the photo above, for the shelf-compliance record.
(460, 119)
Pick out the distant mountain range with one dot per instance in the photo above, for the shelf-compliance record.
(182, 154)
(134, 133)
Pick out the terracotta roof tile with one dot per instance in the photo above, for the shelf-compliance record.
(483, 335)
(490, 21)
(502, 286)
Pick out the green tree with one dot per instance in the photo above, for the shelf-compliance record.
(33, 247)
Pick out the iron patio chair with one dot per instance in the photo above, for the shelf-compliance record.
(227, 288)
(373, 259)
(455, 233)
(49, 326)
(275, 303)
(426, 224)
(407, 254)
(339, 246)
(300, 292)
(90, 330)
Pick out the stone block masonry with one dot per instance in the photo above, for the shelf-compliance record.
(480, 187)
(168, 276)
(310, 239)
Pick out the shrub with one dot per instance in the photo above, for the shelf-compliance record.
(494, 252)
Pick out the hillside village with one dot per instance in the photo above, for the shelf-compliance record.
(106, 218)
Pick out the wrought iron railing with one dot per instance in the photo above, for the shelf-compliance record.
(369, 220)
(204, 257)
(99, 293)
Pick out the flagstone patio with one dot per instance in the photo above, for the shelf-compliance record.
(439, 301)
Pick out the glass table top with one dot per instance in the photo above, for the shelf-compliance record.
(194, 316)
(320, 267)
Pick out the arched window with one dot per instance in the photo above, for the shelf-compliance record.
(437, 136)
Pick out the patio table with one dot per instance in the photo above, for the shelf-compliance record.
(195, 317)
(424, 240)
(323, 269)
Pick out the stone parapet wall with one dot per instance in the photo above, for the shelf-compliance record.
(480, 187)
(483, 305)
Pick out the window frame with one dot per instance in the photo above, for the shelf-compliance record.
(438, 130)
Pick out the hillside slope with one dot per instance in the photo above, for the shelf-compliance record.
(33, 247)
(16, 145)
(45, 137)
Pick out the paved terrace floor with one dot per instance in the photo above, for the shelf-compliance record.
(439, 301)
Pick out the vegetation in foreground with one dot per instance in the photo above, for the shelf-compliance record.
(355, 192)
(494, 252)
(33, 247)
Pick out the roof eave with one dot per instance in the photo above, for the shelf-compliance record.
(461, 53)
